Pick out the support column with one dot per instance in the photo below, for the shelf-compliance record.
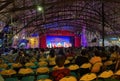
(103, 24)
(83, 37)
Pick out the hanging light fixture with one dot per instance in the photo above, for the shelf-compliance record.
(39, 8)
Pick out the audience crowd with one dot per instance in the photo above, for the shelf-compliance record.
(60, 64)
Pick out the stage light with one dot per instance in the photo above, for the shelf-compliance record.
(23, 37)
(16, 37)
(119, 39)
(31, 39)
(39, 8)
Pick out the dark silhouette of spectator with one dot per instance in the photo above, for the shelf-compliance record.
(52, 53)
(81, 58)
(22, 57)
(62, 52)
(60, 71)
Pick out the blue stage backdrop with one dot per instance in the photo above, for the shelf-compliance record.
(59, 41)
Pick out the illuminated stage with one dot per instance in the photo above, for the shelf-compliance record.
(59, 38)
(53, 39)
(58, 41)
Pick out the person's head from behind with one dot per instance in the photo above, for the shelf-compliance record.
(61, 51)
(42, 51)
(52, 52)
(60, 59)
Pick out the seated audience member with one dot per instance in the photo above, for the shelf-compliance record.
(69, 53)
(60, 71)
(96, 58)
(81, 59)
(51, 56)
(41, 54)
(22, 58)
(61, 51)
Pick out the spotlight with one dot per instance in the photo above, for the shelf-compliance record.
(119, 39)
(16, 37)
(23, 37)
(39, 8)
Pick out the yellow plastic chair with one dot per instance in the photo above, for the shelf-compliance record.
(25, 71)
(45, 80)
(86, 65)
(96, 67)
(73, 67)
(88, 77)
(106, 74)
(68, 78)
(42, 70)
(117, 72)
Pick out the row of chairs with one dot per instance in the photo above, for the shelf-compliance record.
(104, 76)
